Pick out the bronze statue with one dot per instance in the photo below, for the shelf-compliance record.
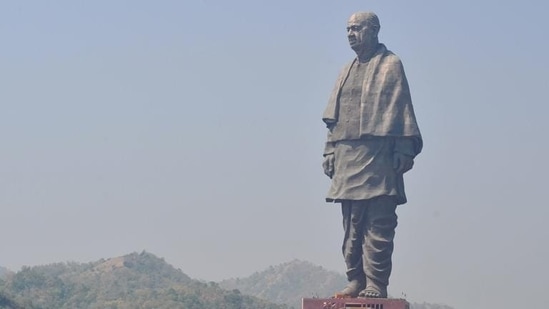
(372, 141)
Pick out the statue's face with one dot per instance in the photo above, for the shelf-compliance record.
(359, 34)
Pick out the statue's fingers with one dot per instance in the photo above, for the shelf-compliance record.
(410, 165)
(326, 163)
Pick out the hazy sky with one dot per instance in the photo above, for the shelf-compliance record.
(191, 129)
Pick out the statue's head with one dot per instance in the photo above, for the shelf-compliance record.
(362, 31)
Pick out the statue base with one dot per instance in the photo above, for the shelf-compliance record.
(351, 303)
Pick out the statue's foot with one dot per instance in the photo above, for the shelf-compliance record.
(352, 289)
(373, 292)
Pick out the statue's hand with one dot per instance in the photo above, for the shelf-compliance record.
(402, 163)
(328, 165)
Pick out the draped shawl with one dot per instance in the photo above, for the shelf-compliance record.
(385, 104)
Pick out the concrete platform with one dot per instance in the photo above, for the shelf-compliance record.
(350, 303)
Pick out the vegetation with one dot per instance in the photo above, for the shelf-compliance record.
(134, 281)
(7, 303)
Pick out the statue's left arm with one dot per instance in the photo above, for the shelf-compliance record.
(405, 150)
(407, 138)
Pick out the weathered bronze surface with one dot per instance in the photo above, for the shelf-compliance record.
(373, 138)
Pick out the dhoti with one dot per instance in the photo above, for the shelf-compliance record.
(368, 243)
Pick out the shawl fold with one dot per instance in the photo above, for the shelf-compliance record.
(385, 104)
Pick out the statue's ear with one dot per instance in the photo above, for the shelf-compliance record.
(375, 30)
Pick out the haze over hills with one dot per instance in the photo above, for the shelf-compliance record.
(142, 280)
(287, 283)
(4, 272)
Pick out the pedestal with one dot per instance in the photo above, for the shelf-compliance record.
(351, 303)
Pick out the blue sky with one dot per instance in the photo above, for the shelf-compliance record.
(191, 129)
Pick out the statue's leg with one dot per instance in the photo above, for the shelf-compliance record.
(381, 221)
(353, 225)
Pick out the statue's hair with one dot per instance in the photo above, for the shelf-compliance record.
(370, 18)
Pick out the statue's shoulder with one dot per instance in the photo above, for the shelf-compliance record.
(347, 66)
(343, 72)
(391, 62)
(391, 59)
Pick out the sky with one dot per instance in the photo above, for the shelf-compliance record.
(192, 130)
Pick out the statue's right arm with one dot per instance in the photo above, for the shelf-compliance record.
(329, 157)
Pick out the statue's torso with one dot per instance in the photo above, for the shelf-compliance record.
(363, 166)
(348, 126)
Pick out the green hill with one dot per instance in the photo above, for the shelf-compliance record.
(134, 281)
(289, 282)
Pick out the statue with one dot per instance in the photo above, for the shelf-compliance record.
(372, 141)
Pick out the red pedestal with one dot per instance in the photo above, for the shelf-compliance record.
(351, 303)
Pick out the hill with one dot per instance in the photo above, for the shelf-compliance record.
(144, 281)
(287, 283)
(132, 281)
